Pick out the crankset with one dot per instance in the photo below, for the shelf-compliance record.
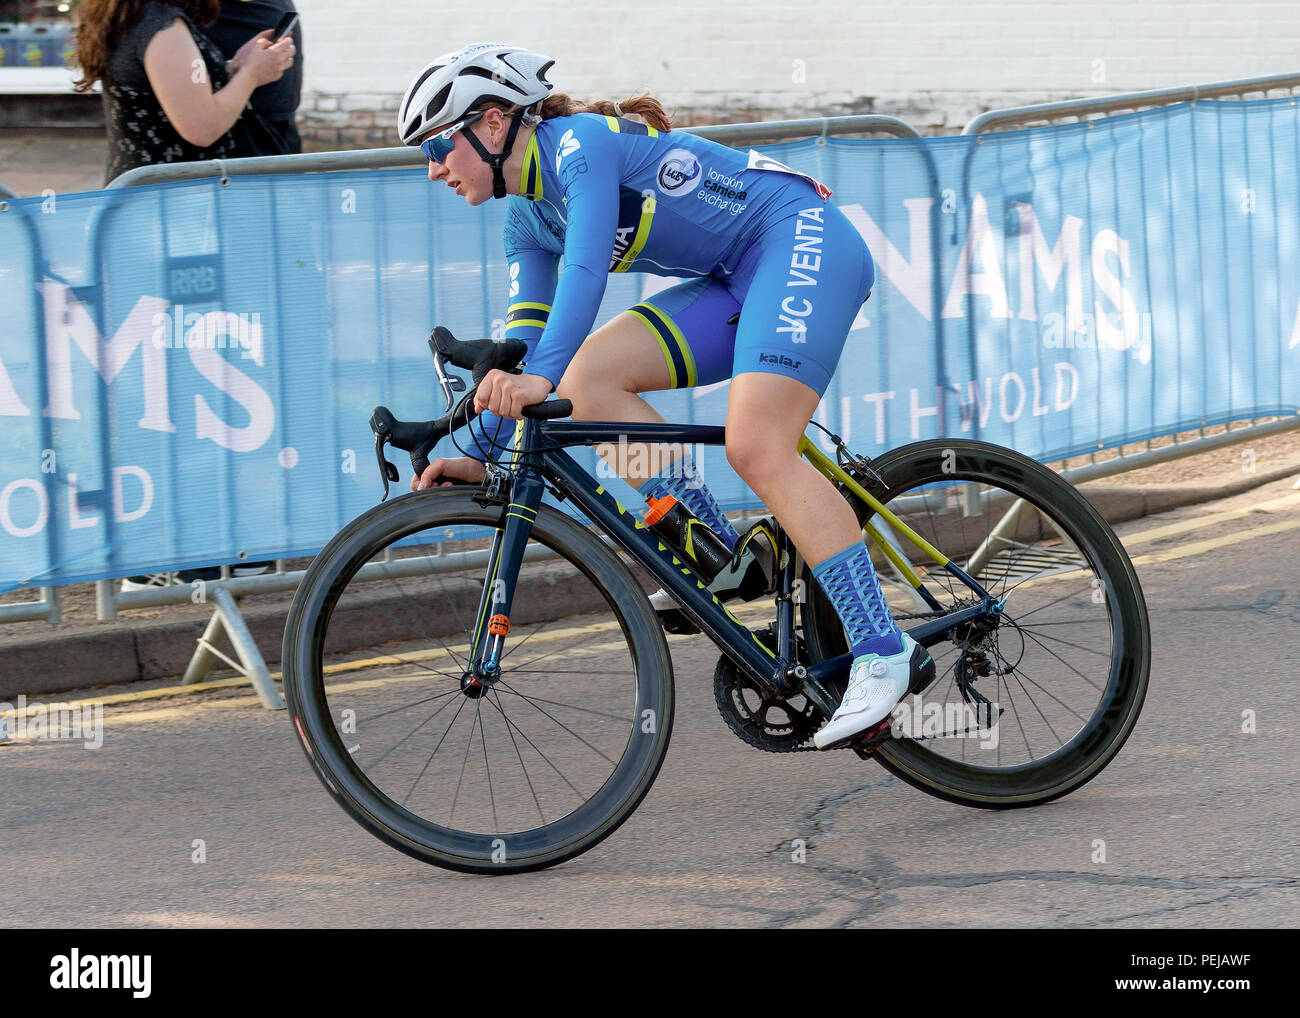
(773, 725)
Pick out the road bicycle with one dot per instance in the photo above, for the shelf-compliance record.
(479, 679)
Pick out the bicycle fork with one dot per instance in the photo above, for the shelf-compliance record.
(493, 620)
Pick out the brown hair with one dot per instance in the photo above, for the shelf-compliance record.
(103, 24)
(644, 106)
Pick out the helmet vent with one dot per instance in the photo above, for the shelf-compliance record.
(424, 77)
(437, 102)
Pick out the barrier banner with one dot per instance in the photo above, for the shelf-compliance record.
(187, 370)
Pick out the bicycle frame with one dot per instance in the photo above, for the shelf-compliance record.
(776, 673)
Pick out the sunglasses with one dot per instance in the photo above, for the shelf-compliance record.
(440, 145)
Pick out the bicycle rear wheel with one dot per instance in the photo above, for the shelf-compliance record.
(1067, 662)
(523, 773)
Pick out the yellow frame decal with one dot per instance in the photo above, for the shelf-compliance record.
(833, 472)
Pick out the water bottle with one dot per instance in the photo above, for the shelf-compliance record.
(687, 534)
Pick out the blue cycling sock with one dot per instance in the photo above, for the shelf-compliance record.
(681, 480)
(849, 580)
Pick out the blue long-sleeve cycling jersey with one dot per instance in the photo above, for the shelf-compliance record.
(607, 194)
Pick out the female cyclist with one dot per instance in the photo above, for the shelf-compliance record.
(610, 194)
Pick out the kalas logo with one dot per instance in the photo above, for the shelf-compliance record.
(678, 172)
(781, 359)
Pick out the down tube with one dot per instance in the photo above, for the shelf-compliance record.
(625, 527)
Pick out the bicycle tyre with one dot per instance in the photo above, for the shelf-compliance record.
(1096, 744)
(304, 686)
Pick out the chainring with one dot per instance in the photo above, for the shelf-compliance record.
(773, 725)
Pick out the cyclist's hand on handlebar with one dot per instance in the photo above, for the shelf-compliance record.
(506, 395)
(463, 468)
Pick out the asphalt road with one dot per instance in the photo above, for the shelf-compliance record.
(1198, 818)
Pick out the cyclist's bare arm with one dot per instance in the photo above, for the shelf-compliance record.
(462, 468)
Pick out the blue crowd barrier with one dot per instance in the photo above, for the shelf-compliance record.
(187, 369)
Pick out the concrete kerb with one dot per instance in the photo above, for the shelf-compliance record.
(128, 652)
(144, 651)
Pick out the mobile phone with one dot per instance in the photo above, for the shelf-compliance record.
(287, 21)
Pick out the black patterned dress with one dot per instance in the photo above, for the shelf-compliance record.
(139, 133)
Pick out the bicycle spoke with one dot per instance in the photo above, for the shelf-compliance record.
(574, 706)
(1064, 662)
(487, 770)
(428, 636)
(1029, 696)
(522, 766)
(540, 657)
(515, 646)
(405, 706)
(384, 755)
(1068, 643)
(545, 758)
(529, 700)
(435, 749)
(459, 781)
(460, 622)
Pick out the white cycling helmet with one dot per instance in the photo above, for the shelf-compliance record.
(455, 83)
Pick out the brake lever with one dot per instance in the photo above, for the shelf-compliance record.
(386, 469)
(448, 383)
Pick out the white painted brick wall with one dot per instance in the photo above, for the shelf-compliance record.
(942, 62)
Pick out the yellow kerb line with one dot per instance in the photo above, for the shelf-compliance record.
(1200, 522)
(1186, 551)
(334, 669)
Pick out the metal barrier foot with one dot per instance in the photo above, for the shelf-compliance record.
(226, 617)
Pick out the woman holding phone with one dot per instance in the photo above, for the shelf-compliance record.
(169, 94)
(275, 103)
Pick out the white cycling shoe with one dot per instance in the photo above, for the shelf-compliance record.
(876, 684)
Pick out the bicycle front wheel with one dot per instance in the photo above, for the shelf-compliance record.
(525, 772)
(1066, 663)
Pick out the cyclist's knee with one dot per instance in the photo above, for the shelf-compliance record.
(580, 389)
(760, 451)
(586, 383)
(750, 455)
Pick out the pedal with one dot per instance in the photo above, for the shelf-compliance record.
(672, 618)
(865, 744)
(674, 621)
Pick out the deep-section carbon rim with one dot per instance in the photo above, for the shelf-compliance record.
(548, 761)
(1074, 603)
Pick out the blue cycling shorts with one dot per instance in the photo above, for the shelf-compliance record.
(797, 289)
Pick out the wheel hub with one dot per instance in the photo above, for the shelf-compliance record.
(477, 682)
